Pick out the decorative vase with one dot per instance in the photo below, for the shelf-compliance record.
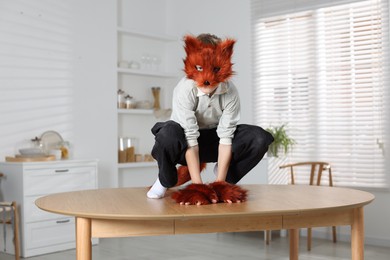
(156, 96)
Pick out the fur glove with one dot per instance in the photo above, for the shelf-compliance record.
(195, 194)
(202, 194)
(229, 193)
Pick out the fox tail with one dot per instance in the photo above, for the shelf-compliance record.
(183, 174)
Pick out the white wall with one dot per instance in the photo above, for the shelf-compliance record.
(58, 73)
(95, 85)
(36, 61)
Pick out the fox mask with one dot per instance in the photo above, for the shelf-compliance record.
(207, 64)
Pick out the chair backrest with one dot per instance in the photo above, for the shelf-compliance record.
(316, 169)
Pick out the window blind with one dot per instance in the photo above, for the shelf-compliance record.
(323, 73)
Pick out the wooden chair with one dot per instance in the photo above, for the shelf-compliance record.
(318, 167)
(9, 215)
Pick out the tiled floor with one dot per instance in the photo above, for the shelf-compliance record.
(242, 246)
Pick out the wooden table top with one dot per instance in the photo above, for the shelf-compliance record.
(132, 203)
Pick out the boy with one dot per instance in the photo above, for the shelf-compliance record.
(203, 126)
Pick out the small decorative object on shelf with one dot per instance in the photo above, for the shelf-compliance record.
(121, 99)
(139, 158)
(123, 64)
(144, 104)
(135, 65)
(156, 96)
(140, 161)
(150, 62)
(130, 102)
(148, 158)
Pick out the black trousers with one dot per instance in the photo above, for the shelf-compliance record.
(249, 145)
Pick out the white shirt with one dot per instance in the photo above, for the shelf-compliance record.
(195, 110)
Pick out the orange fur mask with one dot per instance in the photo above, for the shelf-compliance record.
(208, 64)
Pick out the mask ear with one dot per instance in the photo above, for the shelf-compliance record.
(226, 47)
(191, 44)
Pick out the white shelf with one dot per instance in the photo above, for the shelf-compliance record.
(154, 36)
(141, 72)
(136, 165)
(136, 111)
(130, 44)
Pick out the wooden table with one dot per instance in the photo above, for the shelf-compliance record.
(126, 212)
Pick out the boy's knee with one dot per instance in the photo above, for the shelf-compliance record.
(256, 137)
(170, 129)
(262, 137)
(170, 133)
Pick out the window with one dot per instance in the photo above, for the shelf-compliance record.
(323, 71)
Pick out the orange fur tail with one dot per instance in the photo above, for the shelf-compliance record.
(183, 174)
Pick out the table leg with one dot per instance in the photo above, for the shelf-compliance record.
(357, 236)
(294, 243)
(267, 236)
(308, 239)
(83, 239)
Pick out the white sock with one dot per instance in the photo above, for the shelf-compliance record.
(157, 191)
(216, 169)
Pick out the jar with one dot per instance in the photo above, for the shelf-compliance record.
(130, 102)
(36, 142)
(66, 150)
(121, 99)
(122, 150)
(126, 149)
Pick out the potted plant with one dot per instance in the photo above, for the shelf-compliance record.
(281, 140)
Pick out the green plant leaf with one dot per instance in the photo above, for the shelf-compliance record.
(281, 140)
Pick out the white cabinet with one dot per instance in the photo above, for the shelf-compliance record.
(43, 232)
(143, 63)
